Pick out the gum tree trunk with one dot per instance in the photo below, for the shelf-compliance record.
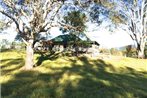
(141, 54)
(29, 56)
(140, 48)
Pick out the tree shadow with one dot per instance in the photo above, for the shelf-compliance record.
(5, 50)
(44, 57)
(10, 65)
(88, 79)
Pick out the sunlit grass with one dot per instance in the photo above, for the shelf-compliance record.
(60, 76)
(136, 64)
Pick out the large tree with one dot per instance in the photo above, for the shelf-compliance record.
(31, 17)
(131, 15)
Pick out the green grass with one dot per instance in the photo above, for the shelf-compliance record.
(72, 77)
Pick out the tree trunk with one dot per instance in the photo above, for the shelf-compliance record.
(141, 54)
(140, 50)
(29, 56)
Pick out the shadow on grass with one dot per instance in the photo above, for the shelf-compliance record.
(9, 65)
(89, 80)
(43, 57)
(5, 50)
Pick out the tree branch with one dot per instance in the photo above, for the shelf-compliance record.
(9, 16)
(9, 3)
(25, 41)
(50, 22)
(67, 26)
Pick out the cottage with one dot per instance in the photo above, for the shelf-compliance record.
(69, 42)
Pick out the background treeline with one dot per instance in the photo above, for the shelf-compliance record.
(128, 51)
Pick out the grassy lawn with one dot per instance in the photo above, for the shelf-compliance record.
(72, 77)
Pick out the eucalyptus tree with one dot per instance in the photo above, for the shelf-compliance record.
(131, 15)
(31, 18)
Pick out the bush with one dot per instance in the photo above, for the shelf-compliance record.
(131, 51)
(18, 46)
(115, 52)
(103, 50)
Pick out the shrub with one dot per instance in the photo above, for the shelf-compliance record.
(115, 52)
(131, 51)
(103, 50)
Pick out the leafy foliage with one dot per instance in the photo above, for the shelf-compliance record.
(131, 51)
(116, 52)
(77, 20)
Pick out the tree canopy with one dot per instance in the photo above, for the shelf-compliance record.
(77, 20)
(131, 16)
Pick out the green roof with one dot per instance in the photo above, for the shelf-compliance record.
(70, 38)
(66, 38)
